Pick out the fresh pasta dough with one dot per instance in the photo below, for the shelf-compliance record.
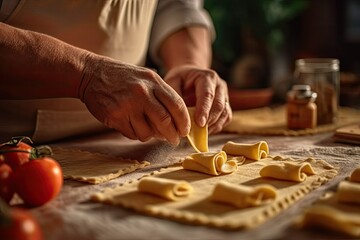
(288, 171)
(328, 217)
(355, 175)
(198, 209)
(93, 168)
(348, 192)
(166, 188)
(254, 151)
(213, 163)
(242, 196)
(198, 136)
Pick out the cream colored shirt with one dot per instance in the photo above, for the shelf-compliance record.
(122, 29)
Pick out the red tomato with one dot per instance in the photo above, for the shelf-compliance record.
(15, 159)
(21, 225)
(6, 188)
(38, 181)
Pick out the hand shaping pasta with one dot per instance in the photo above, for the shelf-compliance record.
(133, 100)
(205, 90)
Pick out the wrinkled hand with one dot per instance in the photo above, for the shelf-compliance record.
(207, 91)
(133, 100)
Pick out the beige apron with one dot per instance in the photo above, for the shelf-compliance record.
(116, 28)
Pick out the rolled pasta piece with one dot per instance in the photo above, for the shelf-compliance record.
(355, 175)
(330, 218)
(288, 171)
(242, 196)
(213, 163)
(166, 188)
(254, 151)
(348, 192)
(198, 136)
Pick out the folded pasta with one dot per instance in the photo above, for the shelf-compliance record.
(330, 218)
(254, 151)
(242, 196)
(348, 192)
(288, 171)
(355, 175)
(198, 136)
(166, 188)
(213, 163)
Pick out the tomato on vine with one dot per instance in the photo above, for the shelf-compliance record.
(6, 186)
(38, 181)
(16, 152)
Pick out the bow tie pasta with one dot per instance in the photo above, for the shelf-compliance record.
(166, 188)
(254, 151)
(213, 163)
(242, 196)
(288, 171)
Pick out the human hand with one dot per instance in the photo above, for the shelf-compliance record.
(133, 100)
(204, 89)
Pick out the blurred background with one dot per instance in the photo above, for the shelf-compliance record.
(258, 41)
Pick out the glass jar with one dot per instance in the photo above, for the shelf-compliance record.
(301, 108)
(322, 74)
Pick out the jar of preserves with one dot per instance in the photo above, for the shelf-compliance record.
(301, 108)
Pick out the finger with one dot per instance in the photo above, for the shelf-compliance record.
(218, 105)
(205, 93)
(176, 108)
(141, 127)
(188, 96)
(157, 134)
(223, 119)
(125, 128)
(175, 83)
(230, 113)
(162, 121)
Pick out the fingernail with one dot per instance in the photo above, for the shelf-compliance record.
(202, 121)
(176, 141)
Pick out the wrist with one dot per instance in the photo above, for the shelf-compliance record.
(87, 68)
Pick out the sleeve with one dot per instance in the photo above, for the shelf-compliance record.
(171, 16)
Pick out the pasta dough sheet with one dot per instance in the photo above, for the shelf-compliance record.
(198, 136)
(268, 121)
(93, 168)
(198, 208)
(330, 214)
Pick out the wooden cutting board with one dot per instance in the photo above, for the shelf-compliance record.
(348, 134)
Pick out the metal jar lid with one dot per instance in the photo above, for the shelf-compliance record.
(302, 92)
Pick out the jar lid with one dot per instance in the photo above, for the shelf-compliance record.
(313, 65)
(302, 91)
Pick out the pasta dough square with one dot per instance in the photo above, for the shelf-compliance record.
(198, 208)
(272, 121)
(93, 168)
(337, 210)
(330, 214)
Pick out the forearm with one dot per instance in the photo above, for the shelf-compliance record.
(190, 45)
(34, 65)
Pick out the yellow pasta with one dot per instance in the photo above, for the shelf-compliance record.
(328, 217)
(198, 136)
(254, 151)
(288, 171)
(213, 163)
(348, 192)
(166, 188)
(242, 196)
(355, 175)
